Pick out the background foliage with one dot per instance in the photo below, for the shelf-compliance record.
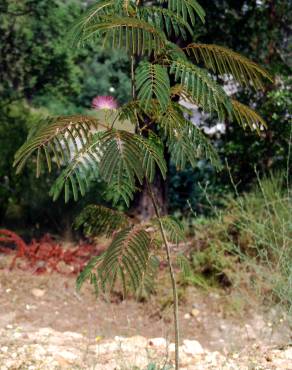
(41, 75)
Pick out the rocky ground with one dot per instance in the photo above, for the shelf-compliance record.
(45, 324)
(47, 349)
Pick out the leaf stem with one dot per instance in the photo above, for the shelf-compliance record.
(171, 272)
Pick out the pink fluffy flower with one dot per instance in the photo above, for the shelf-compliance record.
(104, 102)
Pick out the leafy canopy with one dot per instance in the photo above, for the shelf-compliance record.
(125, 159)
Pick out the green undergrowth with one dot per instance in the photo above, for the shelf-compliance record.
(248, 245)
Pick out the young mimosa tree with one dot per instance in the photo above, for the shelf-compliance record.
(127, 159)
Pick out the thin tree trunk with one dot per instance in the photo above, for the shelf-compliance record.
(154, 206)
(172, 275)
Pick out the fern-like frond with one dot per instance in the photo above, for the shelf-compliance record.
(96, 13)
(203, 89)
(120, 164)
(96, 220)
(188, 9)
(127, 258)
(152, 153)
(188, 274)
(186, 142)
(166, 20)
(152, 81)
(133, 34)
(119, 158)
(88, 274)
(222, 60)
(247, 117)
(93, 15)
(147, 279)
(189, 144)
(128, 157)
(171, 120)
(173, 52)
(127, 5)
(184, 266)
(173, 227)
(81, 170)
(120, 189)
(129, 112)
(56, 141)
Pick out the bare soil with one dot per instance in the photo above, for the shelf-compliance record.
(212, 318)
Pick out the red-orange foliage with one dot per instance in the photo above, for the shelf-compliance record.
(47, 255)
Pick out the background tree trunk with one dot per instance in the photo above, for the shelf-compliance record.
(142, 207)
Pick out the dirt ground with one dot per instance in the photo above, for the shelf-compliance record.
(51, 301)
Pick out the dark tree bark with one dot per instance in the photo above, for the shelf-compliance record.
(142, 207)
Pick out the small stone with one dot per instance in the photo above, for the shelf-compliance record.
(119, 339)
(4, 349)
(46, 332)
(17, 335)
(222, 327)
(171, 347)
(157, 342)
(192, 347)
(187, 316)
(269, 358)
(195, 312)
(107, 347)
(288, 354)
(73, 335)
(64, 268)
(137, 341)
(67, 356)
(38, 293)
(211, 358)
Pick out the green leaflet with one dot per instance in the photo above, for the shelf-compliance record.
(86, 273)
(222, 60)
(187, 9)
(119, 158)
(80, 172)
(128, 258)
(152, 152)
(203, 88)
(152, 81)
(116, 31)
(190, 144)
(166, 20)
(96, 220)
(56, 141)
(127, 255)
(246, 117)
(172, 226)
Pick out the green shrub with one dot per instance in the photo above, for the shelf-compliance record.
(249, 244)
